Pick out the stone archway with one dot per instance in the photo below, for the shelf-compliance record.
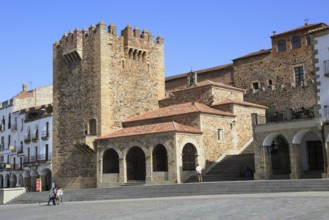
(1, 181)
(160, 158)
(136, 168)
(110, 161)
(189, 155)
(27, 180)
(13, 180)
(280, 157)
(7, 181)
(311, 153)
(46, 180)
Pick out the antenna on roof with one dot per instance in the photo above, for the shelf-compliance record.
(306, 20)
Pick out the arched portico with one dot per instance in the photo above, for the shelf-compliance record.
(13, 180)
(189, 157)
(311, 153)
(1, 181)
(136, 167)
(7, 181)
(27, 179)
(45, 178)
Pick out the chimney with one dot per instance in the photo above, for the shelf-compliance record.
(24, 87)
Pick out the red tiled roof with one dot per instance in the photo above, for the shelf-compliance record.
(151, 129)
(307, 26)
(179, 109)
(199, 71)
(229, 101)
(209, 83)
(263, 51)
(317, 30)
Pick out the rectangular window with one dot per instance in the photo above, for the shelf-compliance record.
(255, 85)
(299, 74)
(326, 66)
(254, 118)
(220, 134)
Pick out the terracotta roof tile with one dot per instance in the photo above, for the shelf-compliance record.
(151, 129)
(208, 83)
(318, 30)
(308, 26)
(179, 109)
(254, 54)
(200, 71)
(229, 101)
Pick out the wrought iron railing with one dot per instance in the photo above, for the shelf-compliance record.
(38, 158)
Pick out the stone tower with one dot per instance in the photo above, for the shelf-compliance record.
(99, 79)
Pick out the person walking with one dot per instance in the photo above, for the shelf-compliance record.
(52, 195)
(60, 196)
(199, 172)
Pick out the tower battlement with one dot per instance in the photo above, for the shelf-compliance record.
(136, 43)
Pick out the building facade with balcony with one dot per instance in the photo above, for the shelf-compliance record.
(25, 137)
(298, 147)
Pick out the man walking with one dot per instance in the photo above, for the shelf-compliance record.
(199, 172)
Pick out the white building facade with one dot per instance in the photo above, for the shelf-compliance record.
(26, 139)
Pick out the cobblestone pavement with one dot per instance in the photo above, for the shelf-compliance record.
(278, 206)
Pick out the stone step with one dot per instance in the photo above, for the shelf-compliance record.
(188, 189)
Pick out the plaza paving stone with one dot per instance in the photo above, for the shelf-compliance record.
(278, 206)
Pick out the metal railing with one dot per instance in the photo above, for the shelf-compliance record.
(38, 158)
(45, 135)
(289, 115)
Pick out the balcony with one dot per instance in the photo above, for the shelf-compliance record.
(20, 150)
(290, 115)
(12, 149)
(35, 137)
(45, 135)
(2, 147)
(27, 139)
(40, 158)
(14, 127)
(2, 127)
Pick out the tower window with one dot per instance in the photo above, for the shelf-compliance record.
(255, 85)
(299, 74)
(220, 134)
(295, 42)
(281, 45)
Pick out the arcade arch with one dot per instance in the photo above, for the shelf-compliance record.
(136, 168)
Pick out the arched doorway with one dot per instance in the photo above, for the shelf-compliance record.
(46, 181)
(20, 180)
(7, 181)
(189, 157)
(280, 157)
(13, 181)
(160, 158)
(136, 168)
(311, 151)
(1, 181)
(111, 161)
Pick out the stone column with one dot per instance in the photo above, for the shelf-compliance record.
(326, 171)
(295, 161)
(149, 169)
(263, 164)
(123, 171)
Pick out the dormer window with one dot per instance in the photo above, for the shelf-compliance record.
(281, 45)
(295, 42)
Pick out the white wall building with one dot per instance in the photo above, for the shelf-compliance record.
(26, 139)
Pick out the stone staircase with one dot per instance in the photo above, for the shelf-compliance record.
(228, 168)
(189, 189)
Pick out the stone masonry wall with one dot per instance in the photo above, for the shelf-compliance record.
(214, 148)
(99, 75)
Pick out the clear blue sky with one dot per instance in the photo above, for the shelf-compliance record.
(198, 34)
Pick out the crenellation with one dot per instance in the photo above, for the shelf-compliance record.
(137, 32)
(112, 29)
(160, 40)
